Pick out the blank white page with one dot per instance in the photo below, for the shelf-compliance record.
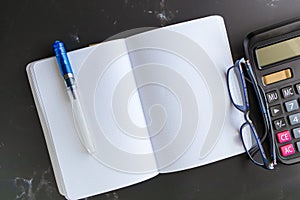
(82, 174)
(180, 71)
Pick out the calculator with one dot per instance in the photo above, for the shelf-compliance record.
(274, 56)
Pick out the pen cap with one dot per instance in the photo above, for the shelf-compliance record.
(62, 58)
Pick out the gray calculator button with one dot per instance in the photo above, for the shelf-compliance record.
(294, 119)
(296, 132)
(298, 146)
(298, 88)
(291, 105)
(276, 110)
(272, 96)
(279, 123)
(287, 92)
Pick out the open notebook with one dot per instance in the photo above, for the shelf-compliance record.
(155, 103)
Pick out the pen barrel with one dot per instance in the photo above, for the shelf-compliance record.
(62, 58)
(82, 127)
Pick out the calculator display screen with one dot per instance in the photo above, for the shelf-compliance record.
(278, 52)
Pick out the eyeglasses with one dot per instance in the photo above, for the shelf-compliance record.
(252, 141)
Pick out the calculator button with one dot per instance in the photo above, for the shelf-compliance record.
(298, 88)
(272, 96)
(291, 105)
(287, 150)
(294, 119)
(279, 123)
(287, 92)
(276, 110)
(284, 136)
(298, 146)
(296, 132)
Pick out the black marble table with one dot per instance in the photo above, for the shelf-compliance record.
(28, 29)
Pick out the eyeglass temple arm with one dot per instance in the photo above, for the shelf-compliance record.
(263, 105)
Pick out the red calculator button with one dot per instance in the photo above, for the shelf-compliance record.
(287, 150)
(284, 136)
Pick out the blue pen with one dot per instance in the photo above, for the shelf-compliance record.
(68, 75)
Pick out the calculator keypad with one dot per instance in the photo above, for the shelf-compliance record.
(285, 113)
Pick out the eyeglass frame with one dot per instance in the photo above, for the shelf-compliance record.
(245, 108)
